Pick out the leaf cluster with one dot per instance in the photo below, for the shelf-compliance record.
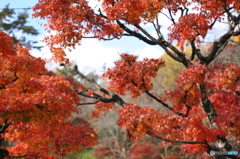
(36, 109)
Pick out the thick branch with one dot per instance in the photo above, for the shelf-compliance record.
(180, 56)
(113, 97)
(87, 103)
(145, 32)
(182, 9)
(230, 15)
(133, 33)
(171, 54)
(185, 100)
(207, 106)
(85, 93)
(219, 45)
(161, 42)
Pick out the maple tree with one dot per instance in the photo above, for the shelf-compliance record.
(36, 109)
(202, 111)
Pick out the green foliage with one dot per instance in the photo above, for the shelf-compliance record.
(86, 154)
(14, 23)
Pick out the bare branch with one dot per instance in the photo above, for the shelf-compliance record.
(171, 17)
(145, 32)
(181, 57)
(164, 104)
(161, 42)
(87, 103)
(157, 28)
(218, 46)
(231, 17)
(182, 10)
(89, 80)
(180, 141)
(113, 96)
(101, 14)
(166, 15)
(15, 157)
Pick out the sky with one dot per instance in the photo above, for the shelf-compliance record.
(92, 54)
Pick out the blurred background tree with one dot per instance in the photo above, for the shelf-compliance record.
(16, 25)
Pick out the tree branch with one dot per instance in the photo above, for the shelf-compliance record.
(180, 141)
(145, 32)
(219, 45)
(197, 52)
(15, 157)
(113, 96)
(171, 17)
(161, 42)
(165, 15)
(164, 104)
(180, 56)
(5, 126)
(157, 28)
(137, 35)
(87, 103)
(207, 106)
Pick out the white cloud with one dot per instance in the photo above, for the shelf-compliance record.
(91, 56)
(149, 52)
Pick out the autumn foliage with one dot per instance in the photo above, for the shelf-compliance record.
(201, 113)
(36, 109)
(132, 75)
(144, 150)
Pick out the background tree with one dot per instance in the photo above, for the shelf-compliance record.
(167, 75)
(14, 24)
(36, 109)
(76, 80)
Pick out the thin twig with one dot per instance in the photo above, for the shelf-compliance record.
(180, 141)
